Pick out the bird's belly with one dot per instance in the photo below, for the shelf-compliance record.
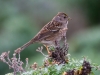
(47, 42)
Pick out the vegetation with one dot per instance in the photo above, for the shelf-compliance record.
(20, 20)
(58, 62)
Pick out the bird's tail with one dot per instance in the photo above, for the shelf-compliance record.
(25, 45)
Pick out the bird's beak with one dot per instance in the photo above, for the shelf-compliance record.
(69, 18)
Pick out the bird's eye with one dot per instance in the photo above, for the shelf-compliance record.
(64, 16)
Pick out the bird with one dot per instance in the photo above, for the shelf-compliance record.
(51, 33)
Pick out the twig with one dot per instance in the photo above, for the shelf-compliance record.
(40, 50)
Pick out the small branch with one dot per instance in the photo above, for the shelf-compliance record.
(40, 50)
(27, 63)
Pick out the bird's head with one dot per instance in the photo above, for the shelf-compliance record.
(61, 17)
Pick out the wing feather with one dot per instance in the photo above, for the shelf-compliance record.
(48, 30)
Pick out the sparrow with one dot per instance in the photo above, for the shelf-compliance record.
(52, 32)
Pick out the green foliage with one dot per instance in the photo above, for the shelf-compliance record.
(61, 68)
(20, 20)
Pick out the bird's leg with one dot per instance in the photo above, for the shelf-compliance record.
(64, 30)
(64, 35)
(57, 44)
(47, 49)
(65, 39)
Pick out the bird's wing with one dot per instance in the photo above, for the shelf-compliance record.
(48, 30)
(54, 26)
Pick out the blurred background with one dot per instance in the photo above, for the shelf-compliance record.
(20, 20)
